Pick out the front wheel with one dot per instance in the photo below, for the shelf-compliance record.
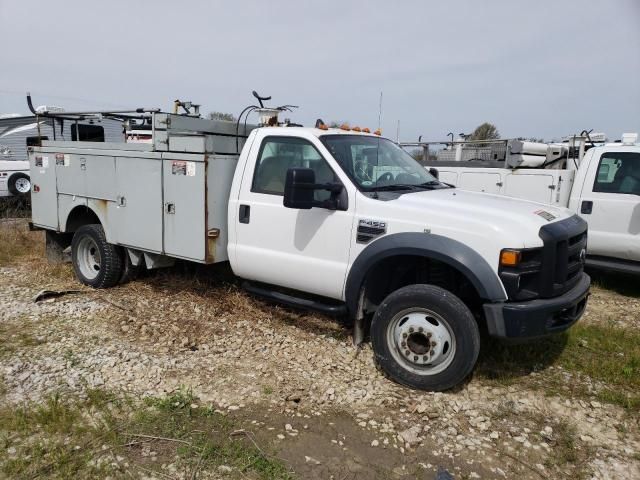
(425, 337)
(96, 262)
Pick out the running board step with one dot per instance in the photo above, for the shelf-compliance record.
(334, 309)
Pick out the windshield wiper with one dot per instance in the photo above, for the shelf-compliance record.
(436, 183)
(404, 186)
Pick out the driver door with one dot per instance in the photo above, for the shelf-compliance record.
(610, 203)
(305, 250)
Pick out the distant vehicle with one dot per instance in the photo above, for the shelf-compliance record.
(599, 181)
(14, 178)
(18, 132)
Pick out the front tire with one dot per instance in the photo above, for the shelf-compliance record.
(96, 262)
(425, 337)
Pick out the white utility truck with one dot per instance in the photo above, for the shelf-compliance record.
(598, 181)
(307, 218)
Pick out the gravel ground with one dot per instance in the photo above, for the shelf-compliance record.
(166, 332)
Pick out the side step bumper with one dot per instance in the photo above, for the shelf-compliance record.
(333, 309)
(613, 264)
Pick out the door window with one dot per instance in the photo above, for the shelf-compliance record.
(618, 172)
(279, 154)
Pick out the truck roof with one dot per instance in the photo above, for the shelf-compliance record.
(318, 132)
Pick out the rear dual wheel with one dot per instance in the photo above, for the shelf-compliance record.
(425, 337)
(96, 262)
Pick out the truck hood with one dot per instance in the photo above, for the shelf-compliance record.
(514, 222)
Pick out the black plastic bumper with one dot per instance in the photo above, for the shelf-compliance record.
(537, 318)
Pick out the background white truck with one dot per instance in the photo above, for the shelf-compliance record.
(596, 180)
(306, 218)
(14, 178)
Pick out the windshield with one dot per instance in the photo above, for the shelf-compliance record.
(376, 164)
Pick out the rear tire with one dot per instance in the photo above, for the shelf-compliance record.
(19, 184)
(425, 337)
(96, 262)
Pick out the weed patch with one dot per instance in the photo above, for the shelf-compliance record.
(608, 355)
(104, 435)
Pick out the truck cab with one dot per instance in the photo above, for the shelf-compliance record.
(606, 193)
(338, 220)
(349, 216)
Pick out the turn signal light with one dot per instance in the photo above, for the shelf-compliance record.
(510, 258)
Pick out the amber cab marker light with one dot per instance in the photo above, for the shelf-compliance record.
(322, 126)
(356, 129)
(366, 130)
(378, 132)
(510, 258)
(344, 126)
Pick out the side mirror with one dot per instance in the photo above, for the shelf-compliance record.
(299, 188)
(434, 172)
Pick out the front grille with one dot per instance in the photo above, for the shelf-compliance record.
(553, 269)
(563, 253)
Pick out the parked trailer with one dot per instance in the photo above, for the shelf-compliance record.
(598, 181)
(303, 218)
(19, 132)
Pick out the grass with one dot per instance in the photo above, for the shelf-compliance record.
(104, 435)
(565, 451)
(608, 355)
(16, 337)
(17, 242)
(15, 207)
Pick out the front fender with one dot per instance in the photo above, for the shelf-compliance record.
(451, 252)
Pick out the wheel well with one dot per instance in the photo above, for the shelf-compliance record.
(80, 216)
(398, 271)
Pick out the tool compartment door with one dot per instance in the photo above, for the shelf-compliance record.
(480, 182)
(44, 197)
(185, 220)
(136, 213)
(536, 187)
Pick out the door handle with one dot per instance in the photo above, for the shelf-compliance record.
(245, 214)
(586, 207)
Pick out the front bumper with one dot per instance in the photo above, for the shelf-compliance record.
(537, 318)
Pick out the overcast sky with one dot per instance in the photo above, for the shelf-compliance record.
(533, 68)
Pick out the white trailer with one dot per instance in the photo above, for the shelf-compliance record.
(19, 132)
(596, 180)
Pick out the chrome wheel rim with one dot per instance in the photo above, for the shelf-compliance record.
(421, 341)
(23, 185)
(89, 258)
